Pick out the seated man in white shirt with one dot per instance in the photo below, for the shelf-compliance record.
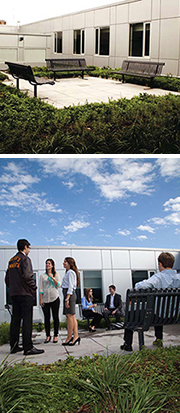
(165, 278)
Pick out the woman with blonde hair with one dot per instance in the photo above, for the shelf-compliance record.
(70, 282)
(88, 309)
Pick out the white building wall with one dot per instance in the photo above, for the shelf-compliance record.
(164, 16)
(116, 266)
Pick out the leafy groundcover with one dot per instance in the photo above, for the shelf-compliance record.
(144, 124)
(146, 381)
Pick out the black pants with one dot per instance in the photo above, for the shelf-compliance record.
(107, 313)
(54, 306)
(22, 310)
(128, 334)
(96, 317)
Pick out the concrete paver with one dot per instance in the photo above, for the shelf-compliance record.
(102, 342)
(77, 91)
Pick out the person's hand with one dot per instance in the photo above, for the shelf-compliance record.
(106, 309)
(67, 304)
(113, 312)
(94, 305)
(42, 304)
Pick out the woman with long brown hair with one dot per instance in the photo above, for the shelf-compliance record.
(70, 282)
(49, 298)
(88, 309)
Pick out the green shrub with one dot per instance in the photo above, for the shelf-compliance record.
(4, 333)
(3, 76)
(145, 124)
(146, 381)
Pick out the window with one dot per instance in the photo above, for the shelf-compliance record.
(93, 279)
(138, 276)
(102, 37)
(139, 44)
(79, 42)
(58, 42)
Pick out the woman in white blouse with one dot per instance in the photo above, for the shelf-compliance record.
(49, 298)
(70, 282)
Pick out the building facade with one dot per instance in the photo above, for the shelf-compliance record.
(105, 36)
(99, 267)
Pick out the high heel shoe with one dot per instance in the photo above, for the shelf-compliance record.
(67, 342)
(47, 340)
(76, 341)
(55, 341)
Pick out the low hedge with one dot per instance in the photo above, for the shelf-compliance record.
(144, 124)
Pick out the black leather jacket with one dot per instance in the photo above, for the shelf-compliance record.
(19, 276)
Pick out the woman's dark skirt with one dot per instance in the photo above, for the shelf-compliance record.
(72, 302)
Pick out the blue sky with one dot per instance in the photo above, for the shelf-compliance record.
(93, 201)
(13, 12)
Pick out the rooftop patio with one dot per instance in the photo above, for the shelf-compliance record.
(75, 91)
(101, 342)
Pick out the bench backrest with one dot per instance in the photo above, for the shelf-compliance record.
(145, 308)
(66, 63)
(146, 67)
(21, 71)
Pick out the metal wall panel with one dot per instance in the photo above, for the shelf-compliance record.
(106, 259)
(142, 260)
(120, 259)
(87, 259)
(122, 281)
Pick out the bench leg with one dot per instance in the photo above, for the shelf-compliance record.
(82, 75)
(17, 83)
(35, 91)
(141, 339)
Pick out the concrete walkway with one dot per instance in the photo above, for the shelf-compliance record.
(68, 92)
(102, 342)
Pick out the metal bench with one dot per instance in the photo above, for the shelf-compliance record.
(99, 308)
(146, 308)
(21, 71)
(138, 68)
(67, 65)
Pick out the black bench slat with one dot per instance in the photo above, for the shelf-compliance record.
(139, 68)
(67, 65)
(21, 71)
(146, 308)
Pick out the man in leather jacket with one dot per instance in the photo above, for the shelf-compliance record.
(22, 288)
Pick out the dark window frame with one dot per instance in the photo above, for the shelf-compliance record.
(139, 39)
(79, 41)
(102, 41)
(58, 46)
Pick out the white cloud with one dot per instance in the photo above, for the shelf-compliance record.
(70, 185)
(133, 204)
(124, 232)
(76, 225)
(21, 195)
(172, 204)
(127, 176)
(146, 228)
(141, 237)
(53, 222)
(169, 167)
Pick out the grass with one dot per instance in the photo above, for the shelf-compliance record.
(146, 381)
(144, 124)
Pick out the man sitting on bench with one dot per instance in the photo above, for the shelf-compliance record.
(113, 307)
(165, 278)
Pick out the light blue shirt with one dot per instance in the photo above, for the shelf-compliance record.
(69, 281)
(163, 279)
(86, 304)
